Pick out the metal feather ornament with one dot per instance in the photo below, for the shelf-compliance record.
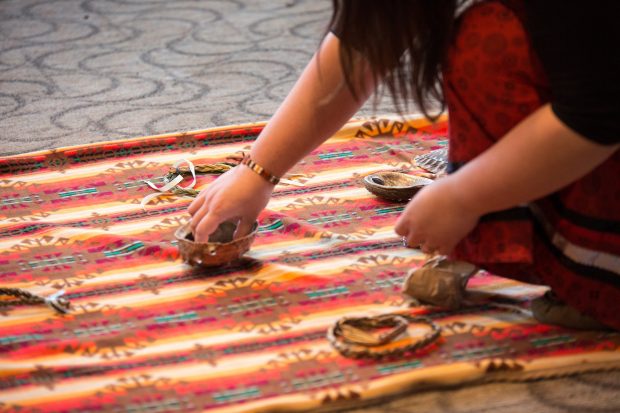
(434, 161)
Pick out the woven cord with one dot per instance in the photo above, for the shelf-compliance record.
(206, 169)
(22, 297)
(349, 336)
(217, 168)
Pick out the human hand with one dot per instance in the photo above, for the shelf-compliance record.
(436, 219)
(239, 194)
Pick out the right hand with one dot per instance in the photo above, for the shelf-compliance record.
(239, 194)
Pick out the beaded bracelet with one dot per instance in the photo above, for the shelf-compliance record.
(271, 178)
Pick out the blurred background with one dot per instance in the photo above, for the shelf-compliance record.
(84, 71)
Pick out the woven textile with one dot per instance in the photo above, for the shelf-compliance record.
(149, 333)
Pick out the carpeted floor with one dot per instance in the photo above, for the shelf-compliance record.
(77, 71)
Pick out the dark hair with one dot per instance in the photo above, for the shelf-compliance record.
(404, 41)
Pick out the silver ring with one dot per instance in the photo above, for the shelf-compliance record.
(405, 243)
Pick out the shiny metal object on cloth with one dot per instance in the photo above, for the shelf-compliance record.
(434, 161)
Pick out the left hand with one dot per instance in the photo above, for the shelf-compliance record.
(436, 219)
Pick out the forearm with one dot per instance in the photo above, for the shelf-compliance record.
(536, 158)
(317, 106)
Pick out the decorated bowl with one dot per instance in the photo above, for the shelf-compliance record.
(220, 249)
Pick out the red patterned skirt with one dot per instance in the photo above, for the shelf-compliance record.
(568, 240)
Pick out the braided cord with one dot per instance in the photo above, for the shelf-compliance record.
(206, 169)
(351, 336)
(23, 297)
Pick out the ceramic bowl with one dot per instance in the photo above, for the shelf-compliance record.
(395, 186)
(221, 249)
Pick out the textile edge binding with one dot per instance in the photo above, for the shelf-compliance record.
(415, 120)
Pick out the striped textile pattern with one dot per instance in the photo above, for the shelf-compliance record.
(147, 332)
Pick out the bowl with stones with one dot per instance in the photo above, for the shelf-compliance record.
(395, 186)
(220, 249)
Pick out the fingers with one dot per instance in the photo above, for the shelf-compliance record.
(425, 243)
(430, 250)
(427, 247)
(203, 198)
(411, 238)
(199, 208)
(445, 249)
(205, 219)
(196, 204)
(411, 241)
(401, 227)
(199, 215)
(207, 226)
(415, 237)
(244, 228)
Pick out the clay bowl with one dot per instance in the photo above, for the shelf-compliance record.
(395, 186)
(221, 249)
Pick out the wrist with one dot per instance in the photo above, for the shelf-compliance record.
(249, 177)
(265, 174)
(463, 196)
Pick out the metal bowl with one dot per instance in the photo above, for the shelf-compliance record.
(395, 186)
(220, 249)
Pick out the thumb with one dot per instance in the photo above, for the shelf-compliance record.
(245, 227)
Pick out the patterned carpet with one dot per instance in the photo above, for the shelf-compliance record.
(73, 72)
(81, 71)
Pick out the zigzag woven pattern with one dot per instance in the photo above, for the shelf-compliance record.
(149, 333)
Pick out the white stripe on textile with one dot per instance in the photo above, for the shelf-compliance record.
(582, 255)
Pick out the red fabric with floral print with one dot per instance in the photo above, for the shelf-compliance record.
(492, 81)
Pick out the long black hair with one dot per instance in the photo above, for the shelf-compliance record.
(404, 41)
